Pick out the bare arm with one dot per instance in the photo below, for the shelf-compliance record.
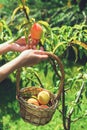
(4, 48)
(26, 58)
(19, 45)
(9, 67)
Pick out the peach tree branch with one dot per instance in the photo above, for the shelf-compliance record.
(72, 109)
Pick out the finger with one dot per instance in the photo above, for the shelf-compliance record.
(21, 41)
(42, 48)
(41, 54)
(34, 47)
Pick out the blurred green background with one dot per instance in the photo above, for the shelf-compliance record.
(70, 18)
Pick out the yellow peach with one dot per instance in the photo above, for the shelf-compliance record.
(33, 101)
(43, 97)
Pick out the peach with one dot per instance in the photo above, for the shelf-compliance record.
(33, 101)
(43, 97)
(44, 106)
(36, 31)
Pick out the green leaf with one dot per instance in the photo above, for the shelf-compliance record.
(6, 27)
(76, 53)
(86, 93)
(14, 12)
(1, 6)
(45, 24)
(1, 27)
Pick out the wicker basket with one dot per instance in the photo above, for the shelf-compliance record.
(35, 114)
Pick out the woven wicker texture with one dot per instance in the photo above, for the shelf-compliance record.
(35, 114)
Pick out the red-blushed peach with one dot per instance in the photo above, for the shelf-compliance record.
(44, 106)
(36, 31)
(33, 101)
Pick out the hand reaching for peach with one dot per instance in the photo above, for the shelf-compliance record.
(34, 37)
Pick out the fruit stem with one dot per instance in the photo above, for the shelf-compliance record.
(24, 9)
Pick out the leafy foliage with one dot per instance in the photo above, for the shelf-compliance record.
(65, 34)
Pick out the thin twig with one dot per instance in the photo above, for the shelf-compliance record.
(24, 9)
(63, 109)
(54, 67)
(77, 99)
(38, 79)
(78, 118)
(72, 109)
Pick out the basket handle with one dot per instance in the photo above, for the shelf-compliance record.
(61, 85)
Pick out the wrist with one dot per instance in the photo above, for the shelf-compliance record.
(5, 47)
(20, 60)
(9, 47)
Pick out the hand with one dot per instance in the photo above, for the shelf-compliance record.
(26, 58)
(32, 57)
(21, 44)
(18, 47)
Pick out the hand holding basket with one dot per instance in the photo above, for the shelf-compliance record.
(32, 113)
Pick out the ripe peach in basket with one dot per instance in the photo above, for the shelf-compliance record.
(33, 101)
(44, 97)
(44, 106)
